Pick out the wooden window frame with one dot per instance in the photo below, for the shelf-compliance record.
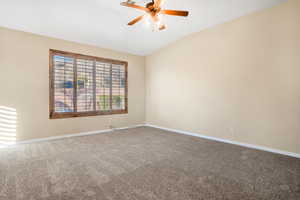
(59, 115)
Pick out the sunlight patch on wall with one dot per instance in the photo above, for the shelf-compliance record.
(8, 126)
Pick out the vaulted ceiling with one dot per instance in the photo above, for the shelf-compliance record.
(103, 23)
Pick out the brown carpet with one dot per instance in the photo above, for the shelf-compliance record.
(145, 164)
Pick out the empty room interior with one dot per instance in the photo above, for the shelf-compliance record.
(150, 100)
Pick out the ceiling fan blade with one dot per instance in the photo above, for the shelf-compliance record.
(175, 12)
(162, 27)
(136, 20)
(157, 3)
(134, 6)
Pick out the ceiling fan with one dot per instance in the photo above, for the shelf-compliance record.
(153, 10)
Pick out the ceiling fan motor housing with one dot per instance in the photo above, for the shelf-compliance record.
(150, 4)
(152, 9)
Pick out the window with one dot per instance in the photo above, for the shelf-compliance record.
(86, 86)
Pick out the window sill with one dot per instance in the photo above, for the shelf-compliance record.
(85, 114)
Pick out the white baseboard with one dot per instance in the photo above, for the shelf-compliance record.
(158, 127)
(68, 136)
(128, 127)
(262, 148)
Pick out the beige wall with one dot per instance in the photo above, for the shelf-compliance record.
(24, 65)
(238, 81)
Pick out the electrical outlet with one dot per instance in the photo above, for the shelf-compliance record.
(112, 127)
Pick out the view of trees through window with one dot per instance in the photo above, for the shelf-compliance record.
(87, 85)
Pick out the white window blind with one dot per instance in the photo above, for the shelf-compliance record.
(85, 86)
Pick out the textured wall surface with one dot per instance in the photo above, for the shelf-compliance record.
(24, 86)
(238, 81)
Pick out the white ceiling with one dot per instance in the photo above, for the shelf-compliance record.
(103, 22)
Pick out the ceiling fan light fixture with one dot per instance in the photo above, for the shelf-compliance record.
(159, 20)
(154, 12)
(147, 20)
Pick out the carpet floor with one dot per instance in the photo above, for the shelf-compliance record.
(145, 164)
